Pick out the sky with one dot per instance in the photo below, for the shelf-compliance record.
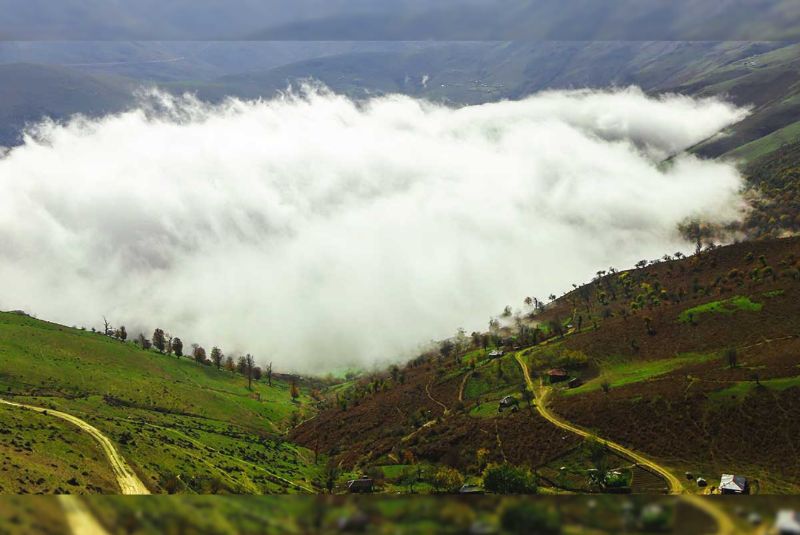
(319, 233)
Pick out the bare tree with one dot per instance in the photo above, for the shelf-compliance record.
(106, 327)
(269, 374)
(249, 366)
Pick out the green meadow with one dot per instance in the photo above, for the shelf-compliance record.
(183, 426)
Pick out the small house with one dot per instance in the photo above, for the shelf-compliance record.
(787, 522)
(496, 353)
(361, 485)
(508, 402)
(733, 484)
(557, 375)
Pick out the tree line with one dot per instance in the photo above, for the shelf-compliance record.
(169, 345)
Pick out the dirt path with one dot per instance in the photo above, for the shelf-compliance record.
(442, 405)
(725, 525)
(463, 385)
(79, 519)
(128, 481)
(674, 484)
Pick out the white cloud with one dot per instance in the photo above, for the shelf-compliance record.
(314, 231)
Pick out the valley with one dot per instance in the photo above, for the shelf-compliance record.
(673, 360)
(338, 188)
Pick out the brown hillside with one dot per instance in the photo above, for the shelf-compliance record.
(672, 392)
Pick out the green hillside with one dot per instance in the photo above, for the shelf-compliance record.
(750, 152)
(170, 416)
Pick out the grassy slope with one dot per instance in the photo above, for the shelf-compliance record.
(627, 372)
(763, 146)
(184, 418)
(46, 455)
(766, 82)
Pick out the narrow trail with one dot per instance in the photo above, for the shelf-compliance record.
(429, 423)
(463, 385)
(128, 481)
(79, 519)
(442, 405)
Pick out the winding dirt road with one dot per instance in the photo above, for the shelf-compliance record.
(674, 484)
(725, 525)
(128, 481)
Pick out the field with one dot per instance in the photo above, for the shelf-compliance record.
(183, 426)
(42, 455)
(750, 152)
(727, 306)
(615, 373)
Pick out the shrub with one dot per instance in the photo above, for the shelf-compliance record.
(509, 479)
(524, 517)
(447, 479)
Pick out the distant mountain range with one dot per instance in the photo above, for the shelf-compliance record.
(61, 79)
(404, 20)
(29, 92)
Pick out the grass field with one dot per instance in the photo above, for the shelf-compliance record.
(740, 390)
(41, 454)
(183, 426)
(727, 306)
(755, 149)
(492, 380)
(622, 373)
